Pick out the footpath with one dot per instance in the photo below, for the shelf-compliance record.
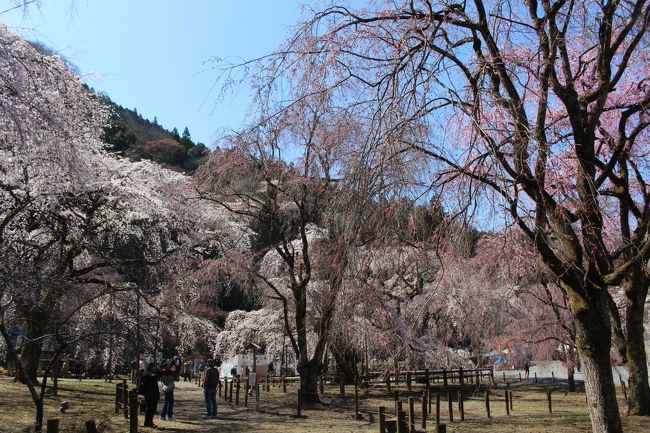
(189, 411)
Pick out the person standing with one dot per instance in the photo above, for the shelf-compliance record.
(210, 381)
(168, 378)
(148, 387)
(187, 371)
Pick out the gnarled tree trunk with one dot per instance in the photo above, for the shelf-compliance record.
(31, 352)
(593, 339)
(309, 373)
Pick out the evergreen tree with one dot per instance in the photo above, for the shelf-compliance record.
(175, 135)
(186, 139)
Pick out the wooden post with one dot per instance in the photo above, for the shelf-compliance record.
(52, 426)
(125, 399)
(450, 403)
(219, 388)
(535, 377)
(507, 400)
(520, 376)
(298, 409)
(398, 416)
(461, 406)
(444, 377)
(91, 427)
(424, 410)
(237, 391)
(408, 381)
(225, 389)
(356, 401)
(397, 402)
(411, 415)
(257, 397)
(510, 393)
(429, 399)
(230, 390)
(461, 379)
(478, 376)
(437, 409)
(492, 376)
(284, 385)
(487, 402)
(504, 376)
(441, 428)
(321, 385)
(246, 388)
(401, 427)
(553, 376)
(133, 415)
(550, 404)
(118, 395)
(427, 383)
(382, 419)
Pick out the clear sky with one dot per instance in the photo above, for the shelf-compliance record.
(152, 54)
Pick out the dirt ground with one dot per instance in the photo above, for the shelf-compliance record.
(94, 399)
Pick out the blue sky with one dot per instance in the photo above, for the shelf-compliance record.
(152, 54)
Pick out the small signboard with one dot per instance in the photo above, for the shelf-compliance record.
(252, 379)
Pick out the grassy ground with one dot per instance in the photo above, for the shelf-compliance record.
(92, 399)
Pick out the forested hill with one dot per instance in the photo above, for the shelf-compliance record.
(131, 135)
(135, 137)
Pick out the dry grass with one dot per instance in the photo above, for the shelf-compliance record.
(95, 400)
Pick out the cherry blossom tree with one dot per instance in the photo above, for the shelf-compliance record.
(539, 310)
(70, 215)
(280, 202)
(540, 108)
(286, 175)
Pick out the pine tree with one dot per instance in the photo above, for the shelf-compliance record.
(186, 139)
(175, 135)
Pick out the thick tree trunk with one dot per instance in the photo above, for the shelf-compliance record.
(346, 365)
(593, 339)
(636, 291)
(31, 352)
(309, 373)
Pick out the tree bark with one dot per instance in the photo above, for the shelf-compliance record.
(636, 291)
(309, 381)
(346, 365)
(31, 352)
(593, 339)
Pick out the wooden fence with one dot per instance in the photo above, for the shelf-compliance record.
(435, 392)
(128, 402)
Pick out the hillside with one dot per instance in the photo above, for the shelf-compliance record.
(136, 138)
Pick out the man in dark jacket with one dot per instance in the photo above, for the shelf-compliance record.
(210, 382)
(148, 387)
